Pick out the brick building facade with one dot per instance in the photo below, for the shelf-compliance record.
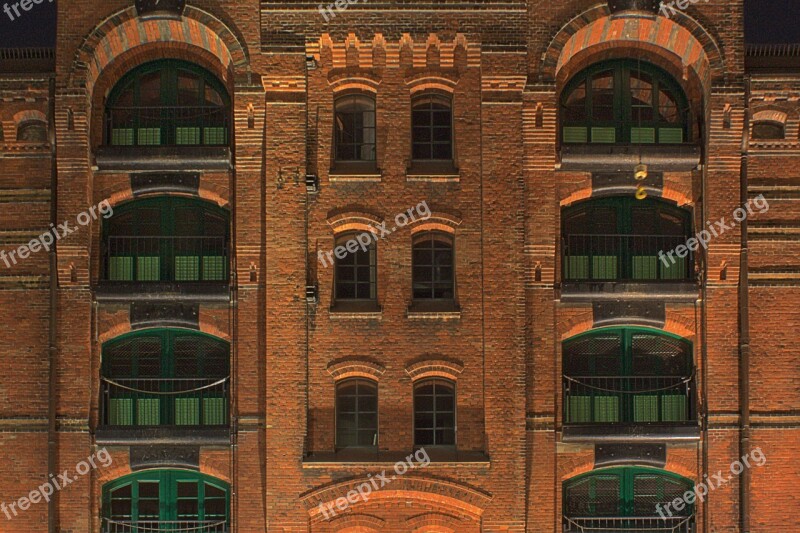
(513, 323)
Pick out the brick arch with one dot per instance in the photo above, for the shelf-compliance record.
(120, 324)
(356, 523)
(355, 367)
(353, 220)
(670, 191)
(125, 31)
(672, 44)
(29, 115)
(587, 465)
(770, 115)
(429, 368)
(585, 322)
(437, 221)
(122, 194)
(434, 523)
(117, 470)
(449, 497)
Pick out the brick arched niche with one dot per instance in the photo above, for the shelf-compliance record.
(124, 40)
(679, 45)
(457, 501)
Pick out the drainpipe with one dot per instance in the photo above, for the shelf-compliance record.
(704, 316)
(52, 509)
(233, 380)
(744, 327)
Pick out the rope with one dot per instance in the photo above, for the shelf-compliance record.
(162, 393)
(637, 391)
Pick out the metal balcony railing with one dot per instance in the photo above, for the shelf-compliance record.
(165, 526)
(167, 126)
(167, 258)
(623, 257)
(174, 402)
(628, 399)
(639, 524)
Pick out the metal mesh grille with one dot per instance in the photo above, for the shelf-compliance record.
(659, 355)
(594, 496)
(594, 355)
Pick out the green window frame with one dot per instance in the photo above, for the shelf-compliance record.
(165, 377)
(624, 492)
(622, 238)
(631, 375)
(164, 496)
(167, 238)
(168, 102)
(624, 102)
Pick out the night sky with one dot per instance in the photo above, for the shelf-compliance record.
(768, 21)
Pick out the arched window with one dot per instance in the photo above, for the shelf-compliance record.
(624, 239)
(356, 413)
(166, 500)
(356, 272)
(627, 499)
(355, 128)
(624, 102)
(165, 377)
(435, 413)
(767, 130)
(627, 375)
(432, 267)
(169, 103)
(32, 131)
(432, 128)
(166, 238)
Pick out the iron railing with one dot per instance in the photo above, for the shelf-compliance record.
(624, 257)
(628, 399)
(165, 526)
(639, 524)
(167, 126)
(175, 402)
(167, 258)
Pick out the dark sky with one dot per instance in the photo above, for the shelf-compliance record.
(767, 21)
(36, 27)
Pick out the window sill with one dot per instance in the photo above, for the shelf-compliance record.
(354, 171)
(588, 291)
(130, 291)
(624, 157)
(433, 310)
(356, 310)
(121, 436)
(627, 432)
(366, 457)
(125, 158)
(433, 171)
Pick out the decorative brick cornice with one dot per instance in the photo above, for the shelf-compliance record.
(434, 368)
(355, 367)
(407, 52)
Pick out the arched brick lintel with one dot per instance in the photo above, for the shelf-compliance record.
(668, 192)
(351, 367)
(124, 31)
(352, 523)
(587, 465)
(122, 325)
(434, 368)
(584, 322)
(670, 42)
(450, 497)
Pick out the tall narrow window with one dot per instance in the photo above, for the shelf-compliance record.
(432, 259)
(432, 129)
(355, 128)
(356, 272)
(356, 413)
(435, 413)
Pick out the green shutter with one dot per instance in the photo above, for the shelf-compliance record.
(120, 268)
(187, 268)
(645, 267)
(606, 409)
(577, 267)
(120, 412)
(670, 135)
(215, 136)
(148, 268)
(122, 137)
(645, 408)
(673, 271)
(214, 268)
(643, 135)
(673, 408)
(149, 136)
(187, 411)
(575, 134)
(604, 267)
(214, 411)
(148, 412)
(579, 409)
(606, 135)
(189, 135)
